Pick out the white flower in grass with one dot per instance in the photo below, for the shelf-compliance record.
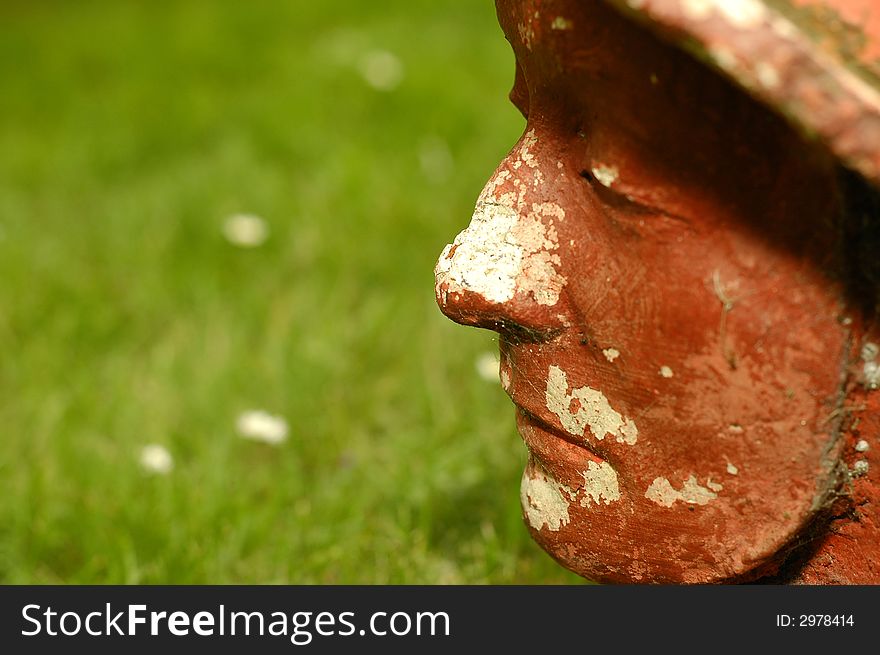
(435, 159)
(156, 459)
(245, 230)
(488, 366)
(381, 69)
(258, 425)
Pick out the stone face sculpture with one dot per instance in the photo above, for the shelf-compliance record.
(683, 270)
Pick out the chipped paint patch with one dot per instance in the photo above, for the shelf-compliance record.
(697, 9)
(743, 14)
(542, 500)
(600, 484)
(526, 34)
(733, 470)
(509, 246)
(871, 369)
(561, 23)
(611, 354)
(584, 408)
(783, 27)
(529, 140)
(767, 75)
(665, 372)
(484, 258)
(605, 175)
(723, 57)
(548, 209)
(505, 379)
(692, 493)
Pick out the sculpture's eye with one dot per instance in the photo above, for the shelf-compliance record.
(519, 94)
(601, 182)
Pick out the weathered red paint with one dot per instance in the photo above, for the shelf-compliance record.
(654, 209)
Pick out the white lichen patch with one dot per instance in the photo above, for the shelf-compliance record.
(714, 486)
(862, 446)
(732, 469)
(561, 23)
(510, 244)
(692, 493)
(665, 372)
(860, 468)
(611, 354)
(606, 175)
(542, 500)
(600, 484)
(584, 408)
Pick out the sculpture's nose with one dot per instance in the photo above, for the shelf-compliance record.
(503, 271)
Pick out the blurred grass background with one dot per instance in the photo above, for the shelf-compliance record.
(362, 133)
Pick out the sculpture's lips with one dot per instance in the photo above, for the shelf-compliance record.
(550, 444)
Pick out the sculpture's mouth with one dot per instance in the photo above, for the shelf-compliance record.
(563, 477)
(553, 448)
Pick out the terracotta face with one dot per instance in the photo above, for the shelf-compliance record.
(660, 256)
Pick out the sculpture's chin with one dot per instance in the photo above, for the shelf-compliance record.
(577, 522)
(594, 525)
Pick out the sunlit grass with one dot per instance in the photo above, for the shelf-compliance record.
(129, 133)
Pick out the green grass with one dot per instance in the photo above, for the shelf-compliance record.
(128, 131)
